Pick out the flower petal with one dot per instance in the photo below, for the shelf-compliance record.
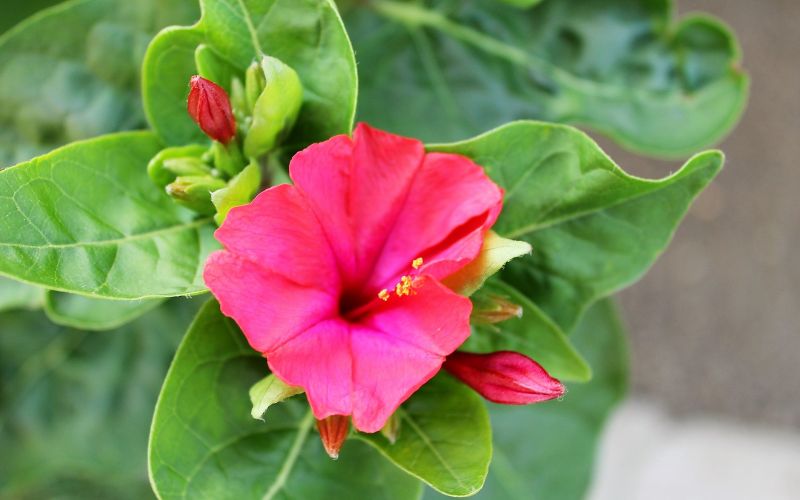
(279, 231)
(401, 345)
(269, 308)
(320, 361)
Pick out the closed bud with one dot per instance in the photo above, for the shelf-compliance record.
(490, 309)
(162, 170)
(210, 108)
(194, 192)
(333, 432)
(254, 83)
(275, 110)
(504, 377)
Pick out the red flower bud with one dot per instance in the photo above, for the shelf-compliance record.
(504, 377)
(210, 108)
(333, 432)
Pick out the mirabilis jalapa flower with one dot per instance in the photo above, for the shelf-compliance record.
(338, 279)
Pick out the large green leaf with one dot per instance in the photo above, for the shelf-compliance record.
(533, 334)
(308, 35)
(16, 295)
(594, 229)
(17, 11)
(72, 71)
(88, 313)
(86, 219)
(547, 451)
(445, 437)
(205, 444)
(447, 69)
(75, 406)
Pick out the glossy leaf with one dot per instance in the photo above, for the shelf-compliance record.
(72, 71)
(86, 219)
(624, 67)
(204, 443)
(89, 313)
(548, 450)
(594, 229)
(444, 437)
(532, 334)
(307, 35)
(76, 405)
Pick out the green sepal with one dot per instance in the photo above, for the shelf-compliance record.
(276, 109)
(228, 159)
(239, 191)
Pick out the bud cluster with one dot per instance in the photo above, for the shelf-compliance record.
(244, 129)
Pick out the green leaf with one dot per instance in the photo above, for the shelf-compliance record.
(16, 295)
(75, 406)
(204, 443)
(594, 229)
(623, 67)
(307, 35)
(533, 334)
(86, 219)
(88, 313)
(72, 71)
(547, 451)
(444, 438)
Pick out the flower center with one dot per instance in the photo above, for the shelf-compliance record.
(355, 302)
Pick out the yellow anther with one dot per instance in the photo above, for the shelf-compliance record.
(383, 295)
(416, 263)
(404, 287)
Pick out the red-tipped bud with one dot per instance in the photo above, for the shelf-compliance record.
(504, 377)
(333, 432)
(210, 108)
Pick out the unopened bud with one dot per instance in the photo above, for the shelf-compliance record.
(194, 192)
(490, 309)
(254, 83)
(276, 108)
(333, 432)
(504, 377)
(210, 107)
(162, 175)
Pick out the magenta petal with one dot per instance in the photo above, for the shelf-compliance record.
(504, 377)
(268, 307)
(320, 361)
(279, 231)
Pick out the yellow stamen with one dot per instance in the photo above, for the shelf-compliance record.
(383, 295)
(404, 287)
(416, 263)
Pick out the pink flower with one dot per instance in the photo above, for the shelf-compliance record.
(504, 377)
(210, 107)
(337, 278)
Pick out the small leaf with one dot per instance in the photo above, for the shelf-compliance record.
(450, 454)
(88, 313)
(268, 391)
(87, 219)
(204, 443)
(495, 253)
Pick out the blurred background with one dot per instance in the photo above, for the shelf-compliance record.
(714, 336)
